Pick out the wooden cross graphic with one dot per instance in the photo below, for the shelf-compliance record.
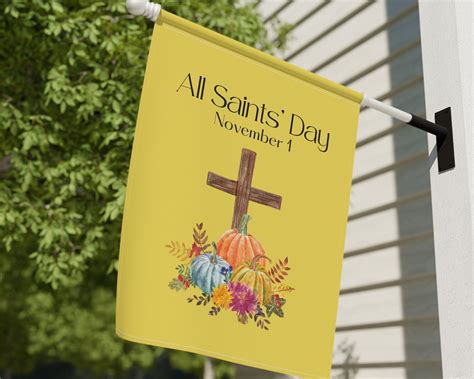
(242, 188)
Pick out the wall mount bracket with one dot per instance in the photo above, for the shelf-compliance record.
(445, 144)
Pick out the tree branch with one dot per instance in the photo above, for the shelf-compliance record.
(5, 164)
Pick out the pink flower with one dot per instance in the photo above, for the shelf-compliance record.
(244, 300)
(195, 250)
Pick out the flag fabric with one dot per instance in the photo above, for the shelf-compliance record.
(236, 206)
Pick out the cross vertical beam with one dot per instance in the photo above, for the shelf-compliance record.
(244, 185)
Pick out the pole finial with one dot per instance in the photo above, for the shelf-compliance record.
(144, 8)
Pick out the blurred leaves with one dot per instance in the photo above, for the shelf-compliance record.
(71, 75)
(70, 83)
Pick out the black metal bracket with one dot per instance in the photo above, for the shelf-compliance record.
(442, 128)
(445, 144)
(427, 126)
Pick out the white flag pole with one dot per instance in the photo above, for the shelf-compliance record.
(444, 134)
(144, 8)
(404, 117)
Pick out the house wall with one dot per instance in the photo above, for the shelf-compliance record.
(446, 30)
(387, 324)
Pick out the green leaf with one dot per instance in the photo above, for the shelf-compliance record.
(57, 7)
(176, 285)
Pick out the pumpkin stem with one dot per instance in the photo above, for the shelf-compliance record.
(243, 224)
(214, 253)
(253, 264)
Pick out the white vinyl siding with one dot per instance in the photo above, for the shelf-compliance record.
(388, 308)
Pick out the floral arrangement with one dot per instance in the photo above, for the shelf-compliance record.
(233, 275)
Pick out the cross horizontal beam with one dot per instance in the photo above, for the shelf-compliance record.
(256, 195)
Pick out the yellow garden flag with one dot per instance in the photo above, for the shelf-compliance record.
(236, 205)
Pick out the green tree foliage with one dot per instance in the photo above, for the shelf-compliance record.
(70, 80)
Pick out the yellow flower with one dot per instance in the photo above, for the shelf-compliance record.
(221, 296)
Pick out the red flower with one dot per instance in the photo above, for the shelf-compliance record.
(195, 250)
(277, 301)
(184, 281)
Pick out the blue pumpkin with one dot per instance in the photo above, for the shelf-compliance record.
(209, 271)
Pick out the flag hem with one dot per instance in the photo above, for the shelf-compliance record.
(229, 358)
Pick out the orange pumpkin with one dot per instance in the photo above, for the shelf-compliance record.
(237, 246)
(255, 278)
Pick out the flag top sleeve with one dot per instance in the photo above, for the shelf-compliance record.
(257, 55)
(236, 204)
